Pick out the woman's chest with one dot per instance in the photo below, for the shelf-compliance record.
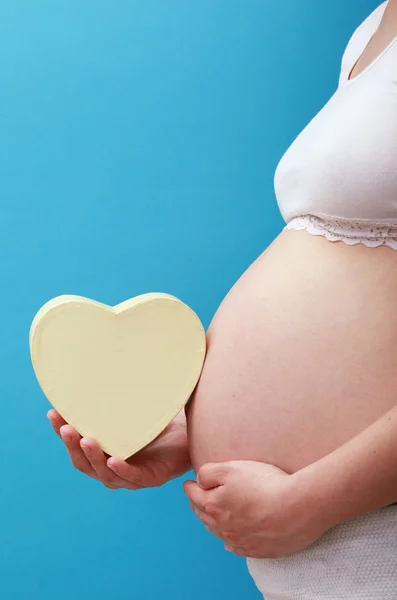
(343, 163)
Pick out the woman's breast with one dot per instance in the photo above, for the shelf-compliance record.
(302, 354)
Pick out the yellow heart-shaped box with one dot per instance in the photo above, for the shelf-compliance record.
(118, 374)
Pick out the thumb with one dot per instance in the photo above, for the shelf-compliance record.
(212, 475)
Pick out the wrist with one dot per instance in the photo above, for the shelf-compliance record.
(315, 497)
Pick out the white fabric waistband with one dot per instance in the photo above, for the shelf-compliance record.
(350, 232)
(355, 560)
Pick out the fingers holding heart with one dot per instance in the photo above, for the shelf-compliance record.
(87, 456)
(98, 461)
(71, 439)
(56, 421)
(138, 476)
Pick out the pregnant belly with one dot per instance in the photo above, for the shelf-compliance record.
(302, 354)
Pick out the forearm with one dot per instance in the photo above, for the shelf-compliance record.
(356, 478)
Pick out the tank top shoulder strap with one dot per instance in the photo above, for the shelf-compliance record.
(360, 39)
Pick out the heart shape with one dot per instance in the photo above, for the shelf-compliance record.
(118, 374)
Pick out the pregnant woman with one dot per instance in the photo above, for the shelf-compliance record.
(292, 429)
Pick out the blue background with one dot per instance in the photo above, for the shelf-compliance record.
(138, 143)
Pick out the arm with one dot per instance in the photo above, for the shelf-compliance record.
(358, 477)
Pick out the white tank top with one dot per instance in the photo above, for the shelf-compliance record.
(339, 177)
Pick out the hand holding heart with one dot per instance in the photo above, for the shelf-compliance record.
(164, 459)
(257, 509)
(119, 378)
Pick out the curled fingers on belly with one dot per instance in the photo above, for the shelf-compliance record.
(240, 551)
(203, 505)
(212, 526)
(203, 516)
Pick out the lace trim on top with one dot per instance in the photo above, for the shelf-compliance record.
(351, 232)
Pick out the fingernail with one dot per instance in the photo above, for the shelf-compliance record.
(86, 449)
(228, 549)
(66, 437)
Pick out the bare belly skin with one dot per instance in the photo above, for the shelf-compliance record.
(302, 354)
